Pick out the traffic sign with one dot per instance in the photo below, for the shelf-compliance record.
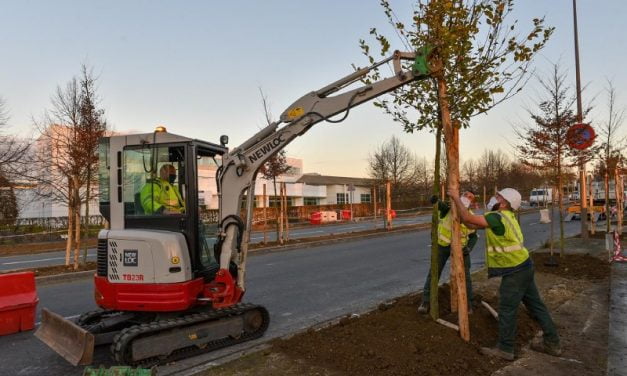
(580, 136)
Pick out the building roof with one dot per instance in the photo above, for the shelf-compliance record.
(317, 179)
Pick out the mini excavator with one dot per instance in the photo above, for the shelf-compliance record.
(168, 285)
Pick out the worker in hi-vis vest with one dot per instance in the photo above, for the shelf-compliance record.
(161, 195)
(445, 229)
(509, 259)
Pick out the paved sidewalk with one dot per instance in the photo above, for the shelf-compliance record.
(617, 341)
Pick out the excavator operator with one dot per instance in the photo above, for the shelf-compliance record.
(160, 195)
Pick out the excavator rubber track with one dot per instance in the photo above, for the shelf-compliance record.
(185, 330)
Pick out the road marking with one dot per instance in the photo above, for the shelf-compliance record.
(350, 228)
(307, 232)
(67, 318)
(38, 260)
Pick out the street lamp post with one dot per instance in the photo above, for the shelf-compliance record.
(582, 163)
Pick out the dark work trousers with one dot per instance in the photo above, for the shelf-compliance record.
(443, 255)
(519, 287)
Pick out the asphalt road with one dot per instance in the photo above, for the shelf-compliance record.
(300, 287)
(58, 258)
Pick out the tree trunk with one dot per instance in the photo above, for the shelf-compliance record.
(434, 308)
(278, 225)
(606, 186)
(451, 137)
(70, 229)
(77, 235)
(86, 234)
(280, 219)
(265, 216)
(77, 222)
(286, 216)
(70, 222)
(619, 189)
(560, 204)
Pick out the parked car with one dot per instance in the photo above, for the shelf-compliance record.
(540, 196)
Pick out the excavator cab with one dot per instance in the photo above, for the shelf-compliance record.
(163, 182)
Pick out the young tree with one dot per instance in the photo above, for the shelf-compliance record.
(544, 145)
(92, 126)
(612, 143)
(64, 159)
(477, 61)
(276, 165)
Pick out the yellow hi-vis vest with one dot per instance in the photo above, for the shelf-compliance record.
(507, 250)
(160, 193)
(445, 230)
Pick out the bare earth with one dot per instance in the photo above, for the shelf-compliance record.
(395, 340)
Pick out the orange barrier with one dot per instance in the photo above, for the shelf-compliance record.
(18, 300)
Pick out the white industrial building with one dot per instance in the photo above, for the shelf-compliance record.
(302, 189)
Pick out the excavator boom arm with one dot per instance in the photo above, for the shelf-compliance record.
(239, 168)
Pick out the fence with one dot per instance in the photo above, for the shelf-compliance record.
(28, 230)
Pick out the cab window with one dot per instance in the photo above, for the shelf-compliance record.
(154, 181)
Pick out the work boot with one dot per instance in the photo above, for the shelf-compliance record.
(540, 345)
(423, 308)
(497, 353)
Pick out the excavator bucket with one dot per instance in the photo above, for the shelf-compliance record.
(69, 340)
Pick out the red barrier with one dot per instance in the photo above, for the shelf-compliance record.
(346, 215)
(392, 213)
(18, 300)
(315, 218)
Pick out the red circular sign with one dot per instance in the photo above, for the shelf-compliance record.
(580, 136)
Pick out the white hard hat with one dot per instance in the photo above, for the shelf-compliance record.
(512, 196)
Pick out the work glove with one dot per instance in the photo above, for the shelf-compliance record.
(433, 199)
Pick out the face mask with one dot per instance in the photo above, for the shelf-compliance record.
(465, 201)
(171, 178)
(493, 204)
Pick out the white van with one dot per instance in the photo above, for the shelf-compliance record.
(540, 196)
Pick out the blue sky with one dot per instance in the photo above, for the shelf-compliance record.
(197, 66)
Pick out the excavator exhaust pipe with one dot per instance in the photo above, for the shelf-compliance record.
(69, 340)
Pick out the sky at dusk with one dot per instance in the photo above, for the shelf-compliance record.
(197, 67)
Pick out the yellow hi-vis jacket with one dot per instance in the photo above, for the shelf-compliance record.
(506, 251)
(158, 194)
(445, 230)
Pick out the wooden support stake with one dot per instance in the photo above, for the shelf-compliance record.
(591, 204)
(374, 194)
(265, 216)
(388, 205)
(287, 217)
(280, 208)
(619, 190)
(451, 136)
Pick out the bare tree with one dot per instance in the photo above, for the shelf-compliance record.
(64, 161)
(92, 126)
(492, 168)
(393, 162)
(12, 149)
(544, 144)
(612, 144)
(276, 165)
